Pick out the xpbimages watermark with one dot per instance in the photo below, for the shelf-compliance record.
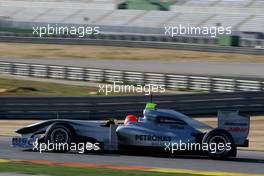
(191, 146)
(75, 147)
(78, 31)
(119, 87)
(211, 31)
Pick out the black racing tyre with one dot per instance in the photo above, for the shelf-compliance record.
(59, 137)
(220, 144)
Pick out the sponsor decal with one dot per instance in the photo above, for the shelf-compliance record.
(152, 138)
(238, 129)
(236, 124)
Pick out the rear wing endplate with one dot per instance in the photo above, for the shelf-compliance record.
(237, 125)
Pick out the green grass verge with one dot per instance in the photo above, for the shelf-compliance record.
(70, 171)
(15, 30)
(15, 87)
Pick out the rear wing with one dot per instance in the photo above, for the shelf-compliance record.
(237, 125)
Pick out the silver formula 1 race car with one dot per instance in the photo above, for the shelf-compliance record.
(160, 130)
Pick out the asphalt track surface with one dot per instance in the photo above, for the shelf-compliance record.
(247, 161)
(203, 68)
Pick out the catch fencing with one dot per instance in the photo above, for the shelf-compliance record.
(117, 107)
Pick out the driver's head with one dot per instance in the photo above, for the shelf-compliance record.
(130, 118)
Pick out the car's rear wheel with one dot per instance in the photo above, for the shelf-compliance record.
(58, 138)
(220, 144)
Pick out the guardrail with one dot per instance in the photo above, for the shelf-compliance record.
(252, 43)
(103, 108)
(122, 33)
(170, 81)
(205, 44)
(126, 37)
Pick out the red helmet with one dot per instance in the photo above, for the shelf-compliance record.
(131, 118)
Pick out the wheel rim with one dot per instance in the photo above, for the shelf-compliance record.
(59, 135)
(217, 140)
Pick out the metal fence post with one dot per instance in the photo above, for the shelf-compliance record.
(236, 87)
(188, 82)
(166, 83)
(84, 75)
(103, 79)
(123, 75)
(262, 85)
(65, 70)
(30, 72)
(211, 84)
(12, 69)
(144, 78)
(48, 71)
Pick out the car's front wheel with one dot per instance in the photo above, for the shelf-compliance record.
(58, 138)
